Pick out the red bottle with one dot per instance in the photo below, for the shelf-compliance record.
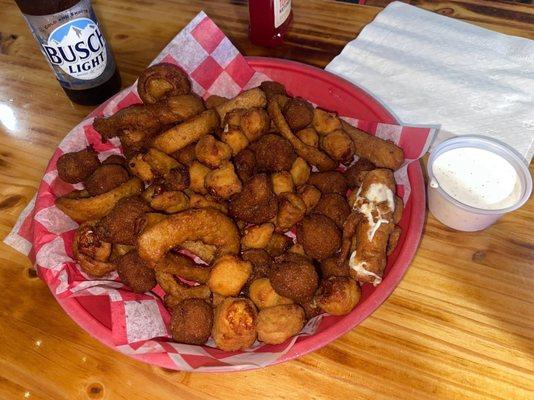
(269, 21)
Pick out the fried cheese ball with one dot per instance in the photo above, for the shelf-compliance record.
(310, 195)
(234, 325)
(105, 178)
(257, 236)
(282, 182)
(228, 275)
(122, 223)
(279, 323)
(308, 136)
(300, 171)
(263, 295)
(245, 164)
(223, 182)
(261, 263)
(77, 166)
(298, 113)
(291, 210)
(192, 321)
(211, 152)
(319, 236)
(335, 207)
(338, 295)
(256, 203)
(278, 244)
(338, 145)
(355, 173)
(334, 267)
(197, 177)
(293, 276)
(329, 182)
(135, 272)
(273, 153)
(254, 123)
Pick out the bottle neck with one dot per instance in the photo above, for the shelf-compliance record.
(44, 7)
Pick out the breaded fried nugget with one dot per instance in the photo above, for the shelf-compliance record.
(77, 166)
(335, 207)
(234, 326)
(308, 136)
(291, 210)
(338, 145)
(257, 236)
(261, 262)
(279, 323)
(263, 295)
(234, 138)
(334, 267)
(120, 225)
(223, 182)
(298, 113)
(105, 178)
(282, 182)
(197, 177)
(310, 195)
(256, 203)
(186, 155)
(355, 173)
(319, 236)
(254, 123)
(245, 164)
(325, 122)
(116, 159)
(272, 88)
(329, 182)
(192, 321)
(212, 152)
(300, 171)
(135, 273)
(278, 244)
(177, 178)
(229, 274)
(338, 295)
(273, 153)
(161, 81)
(293, 276)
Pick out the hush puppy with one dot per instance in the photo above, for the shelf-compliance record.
(298, 113)
(335, 207)
(273, 153)
(319, 236)
(329, 182)
(256, 203)
(135, 273)
(122, 223)
(293, 276)
(77, 166)
(192, 321)
(105, 178)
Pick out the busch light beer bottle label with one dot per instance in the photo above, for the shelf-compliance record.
(74, 46)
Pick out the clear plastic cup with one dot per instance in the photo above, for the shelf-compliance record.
(463, 217)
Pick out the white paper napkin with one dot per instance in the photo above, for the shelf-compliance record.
(431, 69)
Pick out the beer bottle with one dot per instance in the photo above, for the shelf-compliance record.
(71, 40)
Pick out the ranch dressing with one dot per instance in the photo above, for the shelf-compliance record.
(476, 177)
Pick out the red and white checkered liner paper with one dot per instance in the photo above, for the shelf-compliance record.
(139, 321)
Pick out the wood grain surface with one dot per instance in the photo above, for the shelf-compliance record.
(459, 326)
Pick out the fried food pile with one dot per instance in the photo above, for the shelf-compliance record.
(223, 182)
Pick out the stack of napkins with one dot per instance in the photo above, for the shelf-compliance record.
(431, 69)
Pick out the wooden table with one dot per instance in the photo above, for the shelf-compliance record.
(460, 325)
